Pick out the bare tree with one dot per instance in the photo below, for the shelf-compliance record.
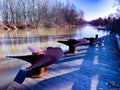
(35, 12)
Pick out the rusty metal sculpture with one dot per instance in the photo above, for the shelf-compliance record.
(92, 40)
(73, 43)
(39, 60)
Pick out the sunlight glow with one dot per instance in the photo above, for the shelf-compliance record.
(96, 45)
(96, 49)
(103, 48)
(102, 44)
(94, 82)
(96, 60)
(64, 68)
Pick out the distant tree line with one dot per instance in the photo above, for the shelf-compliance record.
(110, 24)
(102, 21)
(34, 13)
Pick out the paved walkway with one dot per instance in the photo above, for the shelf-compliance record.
(94, 67)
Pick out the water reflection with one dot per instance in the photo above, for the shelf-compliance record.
(16, 42)
(89, 31)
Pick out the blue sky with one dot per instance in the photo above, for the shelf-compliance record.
(95, 8)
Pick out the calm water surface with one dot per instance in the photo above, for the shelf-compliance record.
(16, 43)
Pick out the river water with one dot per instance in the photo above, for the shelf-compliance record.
(16, 43)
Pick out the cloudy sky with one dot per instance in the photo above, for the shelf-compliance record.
(95, 8)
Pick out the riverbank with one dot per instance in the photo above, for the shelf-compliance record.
(24, 25)
(94, 67)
